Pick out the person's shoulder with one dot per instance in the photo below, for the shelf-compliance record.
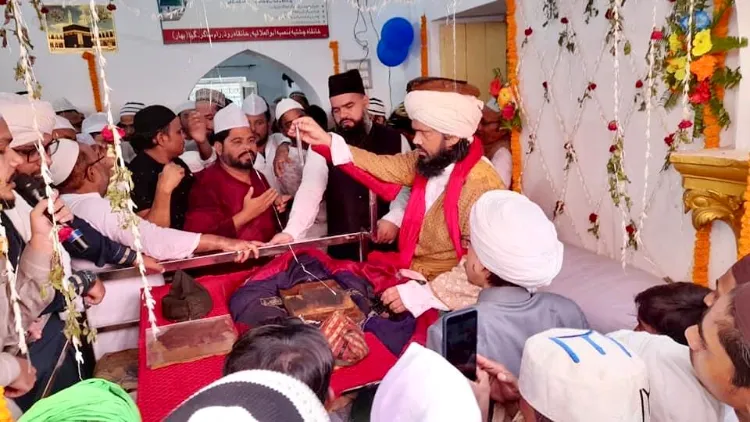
(181, 163)
(386, 130)
(483, 177)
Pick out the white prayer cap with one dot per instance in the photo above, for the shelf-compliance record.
(95, 123)
(131, 108)
(229, 117)
(492, 105)
(186, 106)
(376, 108)
(571, 375)
(449, 113)
(20, 113)
(85, 139)
(514, 240)
(254, 105)
(62, 104)
(64, 160)
(423, 386)
(285, 105)
(63, 123)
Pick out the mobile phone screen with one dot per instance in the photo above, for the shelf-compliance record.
(460, 342)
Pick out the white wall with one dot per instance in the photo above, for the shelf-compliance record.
(667, 233)
(146, 70)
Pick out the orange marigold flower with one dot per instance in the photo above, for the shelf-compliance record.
(704, 67)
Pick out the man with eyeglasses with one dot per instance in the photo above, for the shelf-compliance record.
(496, 141)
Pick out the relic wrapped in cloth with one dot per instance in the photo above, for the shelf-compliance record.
(317, 301)
(190, 341)
(346, 339)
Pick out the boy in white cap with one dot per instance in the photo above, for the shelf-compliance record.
(376, 109)
(127, 116)
(91, 129)
(570, 375)
(508, 268)
(230, 198)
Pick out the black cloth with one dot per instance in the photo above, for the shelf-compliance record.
(102, 250)
(44, 354)
(352, 211)
(349, 82)
(146, 172)
(258, 301)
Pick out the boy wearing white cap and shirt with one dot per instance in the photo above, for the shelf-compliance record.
(230, 198)
(91, 129)
(508, 268)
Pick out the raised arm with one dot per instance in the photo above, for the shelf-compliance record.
(399, 168)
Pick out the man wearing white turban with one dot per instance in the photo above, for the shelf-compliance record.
(508, 267)
(446, 174)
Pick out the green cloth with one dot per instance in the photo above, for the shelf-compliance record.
(94, 400)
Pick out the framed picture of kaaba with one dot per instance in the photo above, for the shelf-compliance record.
(70, 28)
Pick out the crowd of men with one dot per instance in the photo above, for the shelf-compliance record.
(210, 175)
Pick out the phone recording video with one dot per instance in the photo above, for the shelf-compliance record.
(460, 341)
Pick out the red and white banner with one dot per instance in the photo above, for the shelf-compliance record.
(187, 21)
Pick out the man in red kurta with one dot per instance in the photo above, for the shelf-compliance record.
(230, 198)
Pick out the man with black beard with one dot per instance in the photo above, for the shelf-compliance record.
(231, 198)
(446, 174)
(351, 214)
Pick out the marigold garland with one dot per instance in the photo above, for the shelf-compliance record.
(423, 36)
(94, 80)
(743, 245)
(334, 46)
(712, 139)
(701, 253)
(5, 415)
(512, 51)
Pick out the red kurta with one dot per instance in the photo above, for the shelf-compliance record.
(216, 197)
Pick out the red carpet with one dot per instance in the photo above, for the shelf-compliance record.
(161, 390)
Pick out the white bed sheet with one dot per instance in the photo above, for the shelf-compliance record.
(602, 288)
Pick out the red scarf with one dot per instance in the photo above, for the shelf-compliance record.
(416, 209)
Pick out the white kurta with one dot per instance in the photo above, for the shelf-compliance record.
(158, 242)
(502, 161)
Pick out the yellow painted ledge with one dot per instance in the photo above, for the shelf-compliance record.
(714, 182)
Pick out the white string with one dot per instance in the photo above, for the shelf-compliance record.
(618, 132)
(31, 84)
(128, 213)
(649, 106)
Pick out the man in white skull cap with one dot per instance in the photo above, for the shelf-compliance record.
(64, 108)
(509, 267)
(259, 118)
(63, 129)
(570, 375)
(496, 140)
(230, 198)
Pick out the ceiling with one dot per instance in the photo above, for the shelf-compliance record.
(493, 9)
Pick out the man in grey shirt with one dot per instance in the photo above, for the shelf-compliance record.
(514, 250)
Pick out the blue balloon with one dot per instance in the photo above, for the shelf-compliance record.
(391, 57)
(701, 20)
(397, 33)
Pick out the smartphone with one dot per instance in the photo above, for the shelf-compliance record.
(460, 341)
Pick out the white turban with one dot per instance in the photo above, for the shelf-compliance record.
(423, 386)
(571, 375)
(514, 240)
(186, 106)
(19, 113)
(254, 105)
(449, 113)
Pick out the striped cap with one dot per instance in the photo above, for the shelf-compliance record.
(130, 108)
(255, 395)
(376, 108)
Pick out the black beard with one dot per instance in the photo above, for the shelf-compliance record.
(238, 164)
(434, 166)
(355, 135)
